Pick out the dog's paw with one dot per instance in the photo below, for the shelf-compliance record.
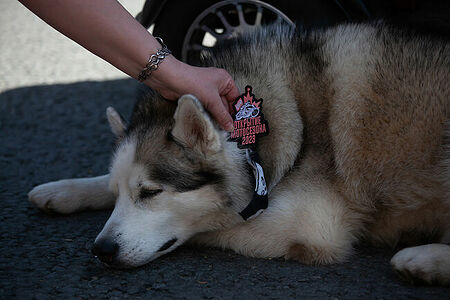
(55, 197)
(424, 264)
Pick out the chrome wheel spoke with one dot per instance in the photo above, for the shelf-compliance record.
(240, 14)
(259, 14)
(224, 21)
(278, 20)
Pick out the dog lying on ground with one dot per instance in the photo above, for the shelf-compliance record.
(359, 149)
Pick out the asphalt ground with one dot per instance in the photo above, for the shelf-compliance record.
(53, 126)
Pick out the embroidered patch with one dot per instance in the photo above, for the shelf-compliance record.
(249, 122)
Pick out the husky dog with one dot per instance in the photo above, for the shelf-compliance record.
(359, 149)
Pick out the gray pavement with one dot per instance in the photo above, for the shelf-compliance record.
(53, 126)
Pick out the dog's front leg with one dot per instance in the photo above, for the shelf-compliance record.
(426, 263)
(72, 195)
(255, 238)
(307, 223)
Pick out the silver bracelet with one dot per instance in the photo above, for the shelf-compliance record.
(154, 60)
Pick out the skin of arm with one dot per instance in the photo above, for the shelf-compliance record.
(106, 29)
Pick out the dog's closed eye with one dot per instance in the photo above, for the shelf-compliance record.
(147, 193)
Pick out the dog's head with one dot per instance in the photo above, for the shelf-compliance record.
(174, 175)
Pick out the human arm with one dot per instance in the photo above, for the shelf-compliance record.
(106, 29)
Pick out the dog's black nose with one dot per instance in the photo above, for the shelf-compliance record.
(105, 250)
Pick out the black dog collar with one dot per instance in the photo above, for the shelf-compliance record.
(260, 200)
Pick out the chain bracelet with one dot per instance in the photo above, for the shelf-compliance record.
(154, 60)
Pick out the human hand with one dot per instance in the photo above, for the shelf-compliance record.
(214, 87)
(109, 31)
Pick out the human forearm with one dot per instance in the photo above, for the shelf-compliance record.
(106, 29)
(103, 27)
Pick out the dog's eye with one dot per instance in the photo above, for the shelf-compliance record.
(146, 193)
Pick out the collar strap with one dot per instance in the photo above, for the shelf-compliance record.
(260, 199)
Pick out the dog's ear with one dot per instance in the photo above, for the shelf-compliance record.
(116, 122)
(194, 128)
